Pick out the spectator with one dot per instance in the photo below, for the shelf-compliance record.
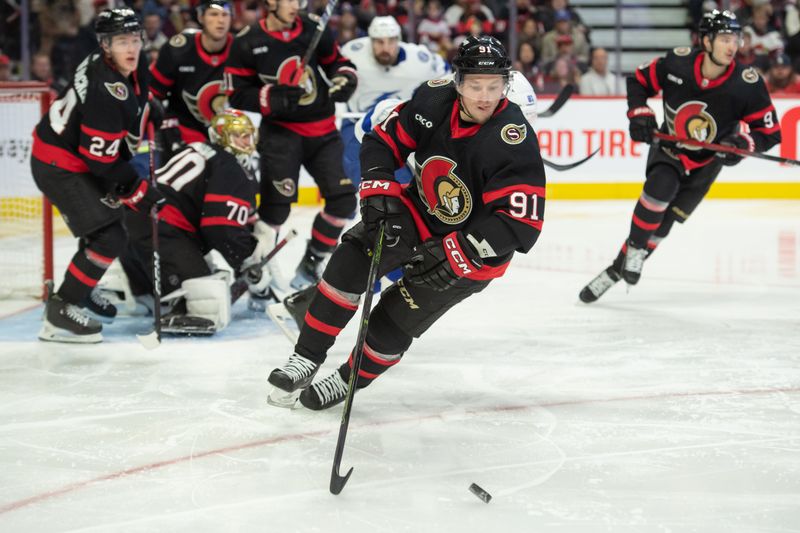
(563, 27)
(433, 31)
(527, 65)
(547, 16)
(746, 56)
(348, 29)
(791, 26)
(475, 12)
(782, 79)
(598, 81)
(153, 36)
(455, 13)
(41, 69)
(563, 73)
(765, 38)
(5, 68)
(532, 33)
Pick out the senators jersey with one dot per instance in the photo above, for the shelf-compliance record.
(89, 127)
(702, 109)
(486, 181)
(190, 79)
(261, 58)
(209, 194)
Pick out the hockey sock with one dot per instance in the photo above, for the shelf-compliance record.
(325, 232)
(83, 273)
(647, 217)
(330, 311)
(373, 364)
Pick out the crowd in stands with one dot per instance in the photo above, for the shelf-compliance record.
(553, 43)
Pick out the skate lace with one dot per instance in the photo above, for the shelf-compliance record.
(298, 367)
(74, 313)
(100, 300)
(331, 388)
(634, 259)
(601, 283)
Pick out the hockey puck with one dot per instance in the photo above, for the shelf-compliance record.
(480, 493)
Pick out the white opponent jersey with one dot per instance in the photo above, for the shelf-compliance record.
(376, 82)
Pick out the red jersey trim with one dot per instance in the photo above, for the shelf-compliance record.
(108, 136)
(190, 135)
(535, 224)
(491, 196)
(172, 215)
(108, 159)
(690, 164)
(310, 129)
(219, 221)
(332, 57)
(163, 80)
(390, 142)
(321, 326)
(641, 79)
(459, 132)
(225, 198)
(654, 76)
(59, 157)
(215, 60)
(83, 278)
(698, 76)
(758, 115)
(237, 71)
(405, 138)
(284, 35)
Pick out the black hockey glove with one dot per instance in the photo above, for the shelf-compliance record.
(283, 99)
(642, 124)
(380, 201)
(343, 85)
(141, 196)
(439, 264)
(737, 140)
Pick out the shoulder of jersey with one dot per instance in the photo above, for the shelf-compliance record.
(355, 45)
(510, 126)
(104, 83)
(418, 52)
(247, 29)
(207, 150)
(748, 74)
(182, 39)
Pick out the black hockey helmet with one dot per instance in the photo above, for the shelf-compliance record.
(116, 22)
(481, 55)
(215, 4)
(715, 22)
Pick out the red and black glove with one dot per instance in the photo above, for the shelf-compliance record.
(380, 201)
(141, 196)
(280, 100)
(343, 85)
(439, 264)
(737, 140)
(642, 124)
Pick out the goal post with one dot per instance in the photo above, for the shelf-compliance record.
(26, 221)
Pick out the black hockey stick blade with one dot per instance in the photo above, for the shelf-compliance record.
(568, 166)
(338, 482)
(559, 102)
(151, 340)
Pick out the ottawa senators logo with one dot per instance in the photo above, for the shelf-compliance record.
(118, 90)
(691, 121)
(288, 74)
(438, 82)
(444, 194)
(209, 100)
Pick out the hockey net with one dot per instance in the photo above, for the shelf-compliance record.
(26, 230)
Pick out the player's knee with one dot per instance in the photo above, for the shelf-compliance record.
(662, 183)
(274, 214)
(342, 206)
(109, 241)
(385, 336)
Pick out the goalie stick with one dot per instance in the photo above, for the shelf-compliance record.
(152, 340)
(323, 22)
(239, 287)
(559, 102)
(723, 148)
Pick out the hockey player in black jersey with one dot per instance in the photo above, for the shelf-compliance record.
(706, 96)
(80, 162)
(210, 205)
(298, 123)
(189, 70)
(478, 197)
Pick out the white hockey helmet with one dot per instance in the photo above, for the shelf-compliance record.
(521, 93)
(383, 28)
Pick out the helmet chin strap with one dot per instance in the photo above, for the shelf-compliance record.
(710, 53)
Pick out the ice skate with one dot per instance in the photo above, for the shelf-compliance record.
(309, 271)
(634, 261)
(599, 285)
(65, 322)
(326, 393)
(296, 374)
(100, 308)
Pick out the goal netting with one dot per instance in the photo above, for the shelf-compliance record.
(26, 243)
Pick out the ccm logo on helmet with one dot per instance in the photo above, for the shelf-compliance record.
(424, 121)
(452, 248)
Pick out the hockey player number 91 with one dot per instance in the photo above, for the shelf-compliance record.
(521, 206)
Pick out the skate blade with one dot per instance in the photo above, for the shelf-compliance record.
(281, 398)
(51, 334)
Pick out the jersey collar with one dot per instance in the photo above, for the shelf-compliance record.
(459, 131)
(215, 60)
(284, 35)
(704, 83)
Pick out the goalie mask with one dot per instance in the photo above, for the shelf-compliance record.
(234, 131)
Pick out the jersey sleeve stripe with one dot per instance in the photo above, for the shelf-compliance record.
(209, 197)
(163, 80)
(405, 138)
(390, 142)
(157, 93)
(108, 136)
(654, 76)
(491, 196)
(535, 224)
(240, 71)
(641, 79)
(327, 60)
(101, 158)
(768, 131)
(752, 117)
(219, 221)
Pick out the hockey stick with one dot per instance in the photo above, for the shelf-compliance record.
(152, 340)
(568, 166)
(239, 287)
(312, 46)
(723, 148)
(338, 481)
(559, 102)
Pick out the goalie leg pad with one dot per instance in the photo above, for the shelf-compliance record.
(209, 297)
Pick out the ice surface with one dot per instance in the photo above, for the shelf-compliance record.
(672, 407)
